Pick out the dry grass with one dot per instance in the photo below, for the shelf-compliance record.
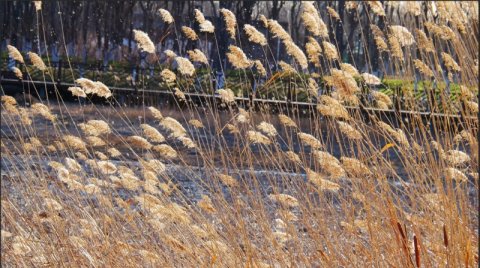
(200, 187)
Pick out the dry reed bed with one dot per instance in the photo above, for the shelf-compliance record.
(271, 191)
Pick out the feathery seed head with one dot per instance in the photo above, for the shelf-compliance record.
(184, 66)
(405, 38)
(371, 79)
(314, 50)
(143, 41)
(277, 30)
(197, 55)
(267, 128)
(232, 129)
(113, 152)
(349, 131)
(139, 142)
(350, 69)
(165, 151)
(227, 180)
(174, 127)
(189, 33)
(95, 141)
(309, 140)
(312, 21)
(355, 167)
(260, 69)
(284, 200)
(207, 27)
(77, 92)
(294, 51)
(257, 137)
(168, 76)
(152, 133)
(187, 142)
(226, 95)
(423, 68)
(254, 35)
(37, 61)
(179, 94)
(377, 8)
(166, 16)
(15, 54)
(330, 50)
(196, 123)
(43, 110)
(17, 73)
(75, 142)
(199, 16)
(156, 113)
(287, 121)
(237, 58)
(230, 21)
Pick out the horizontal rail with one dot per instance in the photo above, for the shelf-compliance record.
(304, 105)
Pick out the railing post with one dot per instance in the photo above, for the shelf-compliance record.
(59, 72)
(397, 107)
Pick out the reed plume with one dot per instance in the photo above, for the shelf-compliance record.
(423, 42)
(312, 21)
(196, 123)
(405, 38)
(152, 133)
(309, 140)
(313, 49)
(139, 142)
(179, 94)
(184, 66)
(156, 113)
(197, 55)
(176, 129)
(38, 5)
(277, 30)
(237, 58)
(423, 68)
(37, 61)
(44, 111)
(17, 73)
(168, 76)
(230, 21)
(349, 131)
(165, 150)
(257, 137)
(189, 33)
(294, 51)
(226, 95)
(287, 121)
(450, 62)
(350, 69)
(330, 51)
(268, 129)
(15, 54)
(377, 8)
(320, 182)
(254, 35)
(284, 200)
(260, 69)
(77, 92)
(143, 41)
(371, 79)
(166, 16)
(207, 27)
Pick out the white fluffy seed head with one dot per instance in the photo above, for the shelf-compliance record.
(143, 41)
(166, 16)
